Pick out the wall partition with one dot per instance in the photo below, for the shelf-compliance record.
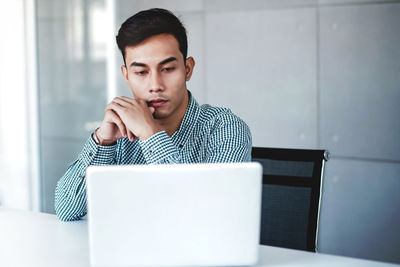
(72, 51)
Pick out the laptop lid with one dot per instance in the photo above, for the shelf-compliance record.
(174, 215)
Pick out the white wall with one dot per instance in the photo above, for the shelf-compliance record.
(18, 107)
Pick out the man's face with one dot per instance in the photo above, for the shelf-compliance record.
(156, 72)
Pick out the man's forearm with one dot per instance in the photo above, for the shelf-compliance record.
(70, 195)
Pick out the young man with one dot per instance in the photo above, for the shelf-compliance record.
(163, 124)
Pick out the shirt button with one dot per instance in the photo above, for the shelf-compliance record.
(90, 154)
(180, 146)
(151, 151)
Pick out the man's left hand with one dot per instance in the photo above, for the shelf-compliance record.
(137, 117)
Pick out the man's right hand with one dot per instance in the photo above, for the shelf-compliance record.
(111, 129)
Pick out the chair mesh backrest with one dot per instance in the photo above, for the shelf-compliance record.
(290, 198)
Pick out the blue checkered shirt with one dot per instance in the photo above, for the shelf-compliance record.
(206, 135)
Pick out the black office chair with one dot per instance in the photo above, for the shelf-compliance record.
(291, 194)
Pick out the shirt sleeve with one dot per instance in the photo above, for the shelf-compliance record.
(70, 195)
(160, 149)
(230, 141)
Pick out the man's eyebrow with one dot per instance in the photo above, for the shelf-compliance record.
(137, 64)
(167, 60)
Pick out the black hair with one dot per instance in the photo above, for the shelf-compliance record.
(148, 23)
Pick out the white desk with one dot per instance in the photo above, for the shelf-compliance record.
(39, 239)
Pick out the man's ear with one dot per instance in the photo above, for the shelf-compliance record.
(189, 66)
(124, 72)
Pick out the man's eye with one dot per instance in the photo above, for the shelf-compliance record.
(168, 69)
(141, 73)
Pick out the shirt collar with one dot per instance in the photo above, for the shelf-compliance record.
(180, 137)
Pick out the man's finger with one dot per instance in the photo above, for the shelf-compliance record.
(131, 136)
(117, 120)
(116, 107)
(142, 102)
(127, 99)
(123, 101)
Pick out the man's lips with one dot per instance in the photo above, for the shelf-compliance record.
(155, 103)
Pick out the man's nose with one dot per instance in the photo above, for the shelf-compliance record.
(156, 84)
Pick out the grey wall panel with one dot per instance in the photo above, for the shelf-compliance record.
(72, 84)
(194, 24)
(72, 81)
(360, 81)
(48, 9)
(57, 155)
(262, 65)
(352, 2)
(229, 5)
(127, 8)
(360, 210)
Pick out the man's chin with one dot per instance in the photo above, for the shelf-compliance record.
(159, 115)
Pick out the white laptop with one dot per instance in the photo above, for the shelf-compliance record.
(174, 215)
